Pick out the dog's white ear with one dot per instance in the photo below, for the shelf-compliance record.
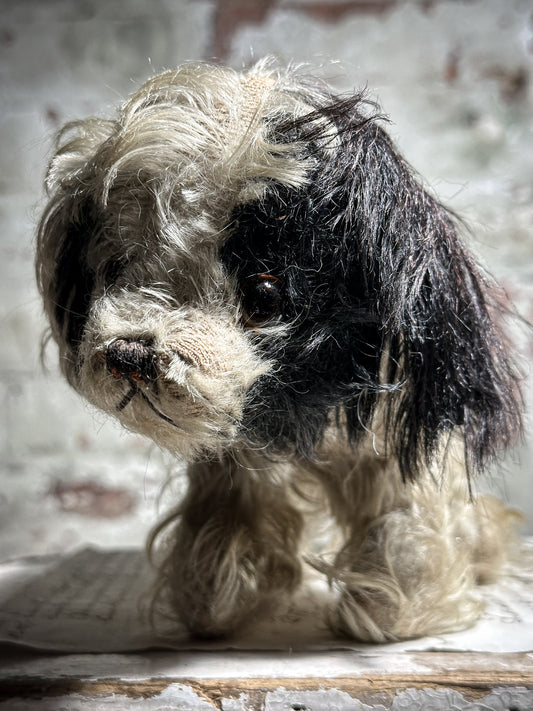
(65, 279)
(76, 144)
(67, 226)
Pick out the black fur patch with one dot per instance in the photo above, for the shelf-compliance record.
(333, 350)
(372, 264)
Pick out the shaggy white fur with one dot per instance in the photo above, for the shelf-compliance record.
(152, 328)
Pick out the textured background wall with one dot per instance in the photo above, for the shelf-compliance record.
(455, 77)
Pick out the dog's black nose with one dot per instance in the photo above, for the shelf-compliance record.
(134, 360)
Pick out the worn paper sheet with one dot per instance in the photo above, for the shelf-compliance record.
(99, 601)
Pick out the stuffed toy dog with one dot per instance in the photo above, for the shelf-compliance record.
(242, 268)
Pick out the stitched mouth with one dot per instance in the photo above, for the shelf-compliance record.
(133, 392)
(170, 388)
(135, 362)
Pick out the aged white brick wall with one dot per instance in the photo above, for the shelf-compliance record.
(454, 76)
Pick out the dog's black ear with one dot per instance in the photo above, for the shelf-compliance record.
(444, 352)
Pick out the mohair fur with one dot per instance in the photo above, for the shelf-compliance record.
(243, 268)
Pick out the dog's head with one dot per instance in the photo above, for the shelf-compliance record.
(245, 258)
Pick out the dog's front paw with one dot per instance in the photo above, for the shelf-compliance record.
(219, 576)
(406, 578)
(368, 609)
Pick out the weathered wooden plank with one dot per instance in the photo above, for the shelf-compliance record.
(358, 675)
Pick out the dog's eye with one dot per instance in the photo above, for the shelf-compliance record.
(261, 299)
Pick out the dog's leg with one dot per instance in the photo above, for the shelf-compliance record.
(233, 547)
(405, 575)
(413, 553)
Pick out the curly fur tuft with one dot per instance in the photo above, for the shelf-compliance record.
(243, 268)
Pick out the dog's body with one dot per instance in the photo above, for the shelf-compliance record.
(242, 268)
